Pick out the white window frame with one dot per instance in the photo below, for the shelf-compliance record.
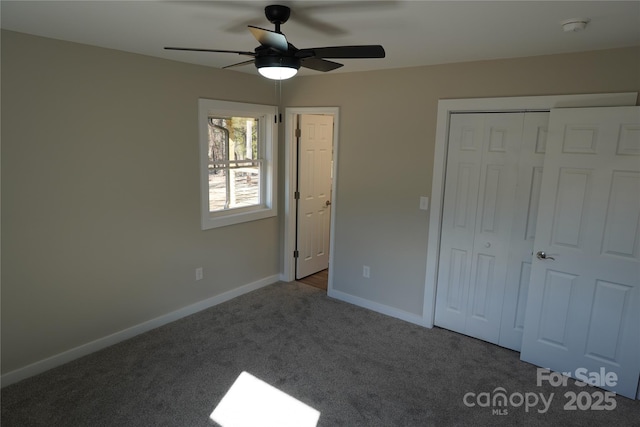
(268, 132)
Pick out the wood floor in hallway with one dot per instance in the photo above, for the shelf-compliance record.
(318, 280)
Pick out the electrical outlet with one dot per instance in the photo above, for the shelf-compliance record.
(366, 272)
(199, 273)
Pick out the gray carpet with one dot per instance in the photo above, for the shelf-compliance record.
(357, 367)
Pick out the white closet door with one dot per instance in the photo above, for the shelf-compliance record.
(478, 209)
(534, 139)
(464, 159)
(583, 307)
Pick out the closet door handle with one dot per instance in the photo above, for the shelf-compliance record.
(543, 255)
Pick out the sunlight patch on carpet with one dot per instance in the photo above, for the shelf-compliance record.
(251, 402)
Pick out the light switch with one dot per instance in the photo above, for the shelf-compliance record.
(424, 203)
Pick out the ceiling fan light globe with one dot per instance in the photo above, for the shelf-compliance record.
(277, 73)
(276, 67)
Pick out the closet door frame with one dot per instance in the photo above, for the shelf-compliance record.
(446, 107)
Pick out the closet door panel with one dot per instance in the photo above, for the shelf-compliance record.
(480, 188)
(583, 305)
(494, 217)
(459, 219)
(530, 161)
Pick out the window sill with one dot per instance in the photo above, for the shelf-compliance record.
(212, 221)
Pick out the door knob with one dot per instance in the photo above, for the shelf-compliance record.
(327, 203)
(543, 255)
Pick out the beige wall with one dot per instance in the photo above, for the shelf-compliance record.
(100, 195)
(100, 198)
(386, 148)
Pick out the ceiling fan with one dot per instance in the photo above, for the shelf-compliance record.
(278, 59)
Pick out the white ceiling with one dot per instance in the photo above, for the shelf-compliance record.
(413, 33)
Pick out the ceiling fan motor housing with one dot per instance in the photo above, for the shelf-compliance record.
(277, 61)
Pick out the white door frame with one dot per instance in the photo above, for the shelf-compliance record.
(291, 170)
(446, 107)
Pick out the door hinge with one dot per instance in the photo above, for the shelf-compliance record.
(298, 133)
(296, 195)
(296, 254)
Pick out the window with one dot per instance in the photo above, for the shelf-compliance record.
(237, 162)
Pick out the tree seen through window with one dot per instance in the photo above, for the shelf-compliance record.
(234, 163)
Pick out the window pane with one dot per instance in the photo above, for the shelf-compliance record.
(242, 189)
(234, 163)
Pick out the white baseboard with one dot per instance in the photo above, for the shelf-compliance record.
(380, 308)
(284, 278)
(93, 346)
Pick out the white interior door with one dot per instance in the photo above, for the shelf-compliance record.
(534, 139)
(314, 186)
(583, 306)
(480, 187)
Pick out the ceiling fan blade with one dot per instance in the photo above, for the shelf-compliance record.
(319, 64)
(251, 61)
(362, 51)
(270, 38)
(239, 52)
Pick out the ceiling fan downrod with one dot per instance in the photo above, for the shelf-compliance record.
(277, 15)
